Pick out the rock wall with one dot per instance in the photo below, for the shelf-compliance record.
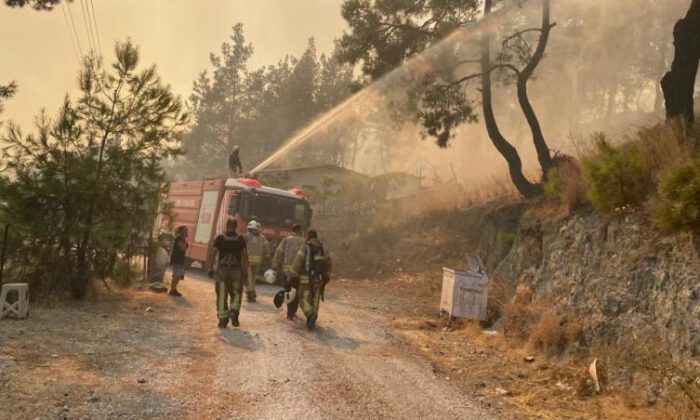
(631, 286)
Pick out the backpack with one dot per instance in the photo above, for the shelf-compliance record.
(315, 261)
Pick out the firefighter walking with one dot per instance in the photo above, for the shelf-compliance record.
(229, 251)
(312, 266)
(282, 263)
(258, 250)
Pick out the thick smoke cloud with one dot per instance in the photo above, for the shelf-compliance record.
(600, 73)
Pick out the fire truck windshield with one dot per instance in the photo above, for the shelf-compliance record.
(274, 211)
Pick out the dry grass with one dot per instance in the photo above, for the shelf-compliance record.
(567, 184)
(581, 146)
(481, 362)
(500, 294)
(665, 148)
(538, 324)
(552, 334)
(574, 193)
(519, 313)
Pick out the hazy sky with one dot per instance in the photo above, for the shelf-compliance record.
(177, 35)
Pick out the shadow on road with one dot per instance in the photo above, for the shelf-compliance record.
(240, 338)
(329, 337)
(259, 307)
(181, 301)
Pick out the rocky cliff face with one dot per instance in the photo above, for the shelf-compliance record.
(631, 286)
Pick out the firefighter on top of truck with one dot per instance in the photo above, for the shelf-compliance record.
(258, 252)
(230, 273)
(234, 162)
(282, 263)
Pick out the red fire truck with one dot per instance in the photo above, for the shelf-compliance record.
(204, 206)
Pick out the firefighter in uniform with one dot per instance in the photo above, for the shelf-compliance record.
(258, 250)
(312, 266)
(230, 273)
(282, 262)
(234, 162)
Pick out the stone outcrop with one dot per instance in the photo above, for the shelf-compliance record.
(630, 285)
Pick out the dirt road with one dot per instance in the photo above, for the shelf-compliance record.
(145, 355)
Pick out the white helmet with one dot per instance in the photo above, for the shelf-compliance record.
(270, 276)
(253, 225)
(290, 296)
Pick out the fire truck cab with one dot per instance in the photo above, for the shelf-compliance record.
(204, 206)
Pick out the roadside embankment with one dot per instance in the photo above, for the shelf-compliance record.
(568, 288)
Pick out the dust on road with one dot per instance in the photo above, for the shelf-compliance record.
(116, 358)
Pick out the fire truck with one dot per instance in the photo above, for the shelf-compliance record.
(204, 206)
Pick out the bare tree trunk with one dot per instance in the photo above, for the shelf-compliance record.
(515, 166)
(544, 155)
(679, 83)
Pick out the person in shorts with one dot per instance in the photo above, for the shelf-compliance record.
(178, 259)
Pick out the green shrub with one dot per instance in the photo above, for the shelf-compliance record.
(505, 240)
(678, 206)
(126, 272)
(616, 176)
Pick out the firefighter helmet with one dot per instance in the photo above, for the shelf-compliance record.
(278, 300)
(270, 276)
(291, 295)
(253, 225)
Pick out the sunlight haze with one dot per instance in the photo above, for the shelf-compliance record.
(178, 35)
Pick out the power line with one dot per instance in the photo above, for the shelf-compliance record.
(88, 29)
(94, 19)
(70, 35)
(75, 31)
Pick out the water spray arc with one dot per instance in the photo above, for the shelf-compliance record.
(416, 67)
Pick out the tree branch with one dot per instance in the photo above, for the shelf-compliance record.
(520, 34)
(489, 71)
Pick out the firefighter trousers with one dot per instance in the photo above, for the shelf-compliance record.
(253, 270)
(229, 288)
(310, 295)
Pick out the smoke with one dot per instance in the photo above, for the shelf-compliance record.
(600, 73)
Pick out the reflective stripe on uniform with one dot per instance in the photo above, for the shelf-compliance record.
(222, 311)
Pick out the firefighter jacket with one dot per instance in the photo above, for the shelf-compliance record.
(258, 248)
(286, 251)
(300, 262)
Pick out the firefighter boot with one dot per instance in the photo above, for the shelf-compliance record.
(311, 321)
(250, 296)
(234, 319)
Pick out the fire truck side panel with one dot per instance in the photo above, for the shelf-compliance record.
(212, 192)
(204, 207)
(185, 198)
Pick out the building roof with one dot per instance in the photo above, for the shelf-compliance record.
(397, 175)
(233, 182)
(327, 167)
